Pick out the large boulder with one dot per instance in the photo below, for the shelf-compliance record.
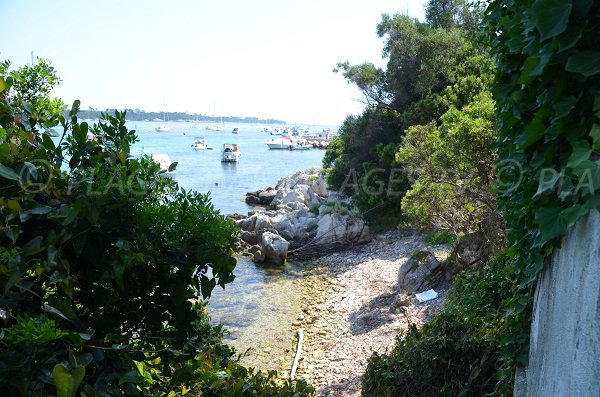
(251, 238)
(247, 223)
(260, 197)
(330, 228)
(420, 272)
(252, 198)
(319, 186)
(266, 196)
(294, 196)
(273, 250)
(262, 222)
(341, 228)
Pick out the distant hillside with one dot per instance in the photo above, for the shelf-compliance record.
(140, 115)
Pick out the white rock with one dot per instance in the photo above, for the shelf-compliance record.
(273, 249)
(330, 228)
(262, 222)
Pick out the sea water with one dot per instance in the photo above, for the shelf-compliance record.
(202, 170)
(260, 305)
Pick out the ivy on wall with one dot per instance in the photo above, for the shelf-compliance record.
(547, 90)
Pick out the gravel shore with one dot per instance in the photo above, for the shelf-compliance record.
(345, 311)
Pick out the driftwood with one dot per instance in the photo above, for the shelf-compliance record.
(297, 356)
(316, 249)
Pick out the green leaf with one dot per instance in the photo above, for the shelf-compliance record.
(132, 376)
(563, 106)
(595, 134)
(40, 210)
(569, 38)
(53, 310)
(33, 246)
(3, 84)
(551, 17)
(4, 151)
(28, 108)
(582, 7)
(581, 152)
(548, 181)
(173, 166)
(535, 130)
(65, 382)
(586, 63)
(572, 214)
(550, 225)
(51, 132)
(8, 173)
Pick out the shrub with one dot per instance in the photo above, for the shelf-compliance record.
(102, 263)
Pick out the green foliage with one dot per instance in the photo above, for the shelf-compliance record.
(452, 166)
(103, 262)
(30, 90)
(439, 237)
(456, 353)
(454, 13)
(547, 93)
(429, 71)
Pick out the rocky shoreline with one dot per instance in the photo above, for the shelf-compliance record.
(352, 306)
(353, 301)
(298, 216)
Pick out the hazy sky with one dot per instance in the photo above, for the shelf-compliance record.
(263, 58)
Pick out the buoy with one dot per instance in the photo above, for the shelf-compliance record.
(216, 183)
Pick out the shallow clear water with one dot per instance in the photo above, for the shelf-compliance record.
(260, 305)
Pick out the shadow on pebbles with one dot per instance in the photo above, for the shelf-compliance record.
(349, 310)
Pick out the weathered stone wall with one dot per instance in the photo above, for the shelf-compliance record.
(564, 357)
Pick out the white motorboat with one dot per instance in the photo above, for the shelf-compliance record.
(165, 164)
(300, 145)
(199, 143)
(163, 128)
(230, 153)
(285, 142)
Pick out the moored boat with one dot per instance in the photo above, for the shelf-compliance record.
(285, 142)
(199, 143)
(230, 153)
(164, 161)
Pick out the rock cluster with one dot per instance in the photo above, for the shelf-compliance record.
(299, 210)
(422, 271)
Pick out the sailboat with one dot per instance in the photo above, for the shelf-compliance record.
(216, 127)
(163, 127)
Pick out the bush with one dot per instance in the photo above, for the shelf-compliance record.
(455, 354)
(440, 237)
(103, 263)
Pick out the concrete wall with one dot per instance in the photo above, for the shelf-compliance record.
(564, 357)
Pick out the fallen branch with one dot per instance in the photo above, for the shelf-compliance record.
(297, 356)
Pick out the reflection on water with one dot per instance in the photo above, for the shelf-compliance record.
(258, 309)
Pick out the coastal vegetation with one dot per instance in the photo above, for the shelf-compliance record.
(432, 67)
(141, 115)
(477, 149)
(104, 263)
(481, 133)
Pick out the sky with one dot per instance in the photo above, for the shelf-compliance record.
(247, 58)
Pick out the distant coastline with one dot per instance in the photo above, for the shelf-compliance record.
(140, 115)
